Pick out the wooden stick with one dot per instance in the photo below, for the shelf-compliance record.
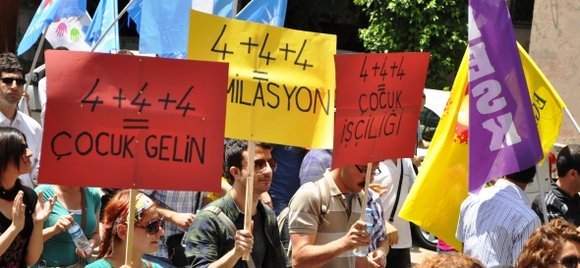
(130, 228)
(572, 119)
(249, 192)
(365, 191)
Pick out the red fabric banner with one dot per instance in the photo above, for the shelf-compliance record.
(378, 100)
(133, 122)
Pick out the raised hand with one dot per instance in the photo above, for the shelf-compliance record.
(61, 29)
(18, 208)
(75, 34)
(43, 208)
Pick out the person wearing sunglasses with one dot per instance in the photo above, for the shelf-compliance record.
(148, 229)
(11, 91)
(217, 237)
(556, 244)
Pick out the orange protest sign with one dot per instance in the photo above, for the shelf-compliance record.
(133, 122)
(378, 100)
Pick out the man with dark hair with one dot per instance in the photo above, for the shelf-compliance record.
(563, 201)
(11, 91)
(216, 237)
(494, 224)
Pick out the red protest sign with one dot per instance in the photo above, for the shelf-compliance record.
(378, 100)
(133, 122)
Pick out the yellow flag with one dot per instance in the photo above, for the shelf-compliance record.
(546, 102)
(441, 186)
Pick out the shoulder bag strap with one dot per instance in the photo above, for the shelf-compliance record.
(392, 216)
(229, 225)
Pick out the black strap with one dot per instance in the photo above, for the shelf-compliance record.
(391, 218)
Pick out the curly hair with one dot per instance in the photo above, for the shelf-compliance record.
(458, 260)
(9, 63)
(546, 243)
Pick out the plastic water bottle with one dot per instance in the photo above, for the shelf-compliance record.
(363, 251)
(79, 237)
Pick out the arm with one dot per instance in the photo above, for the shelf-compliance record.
(16, 226)
(60, 226)
(181, 220)
(35, 244)
(378, 258)
(306, 254)
(244, 242)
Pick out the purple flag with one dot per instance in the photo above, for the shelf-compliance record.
(503, 137)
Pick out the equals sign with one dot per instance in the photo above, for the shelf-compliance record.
(257, 75)
(130, 123)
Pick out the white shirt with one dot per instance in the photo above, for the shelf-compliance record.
(390, 177)
(33, 133)
(495, 224)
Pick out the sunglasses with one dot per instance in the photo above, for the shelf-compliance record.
(153, 226)
(363, 169)
(10, 80)
(569, 261)
(260, 164)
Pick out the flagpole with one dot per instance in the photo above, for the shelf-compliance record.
(249, 204)
(34, 61)
(113, 24)
(572, 119)
(543, 206)
(235, 9)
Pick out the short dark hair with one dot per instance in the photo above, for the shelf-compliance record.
(11, 148)
(9, 63)
(233, 155)
(525, 176)
(568, 158)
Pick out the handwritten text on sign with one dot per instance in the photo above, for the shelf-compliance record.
(280, 80)
(133, 122)
(378, 100)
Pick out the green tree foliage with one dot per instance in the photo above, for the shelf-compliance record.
(435, 26)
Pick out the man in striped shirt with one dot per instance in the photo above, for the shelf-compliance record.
(494, 224)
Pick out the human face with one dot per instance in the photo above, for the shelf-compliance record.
(146, 235)
(569, 257)
(354, 176)
(25, 160)
(263, 169)
(12, 91)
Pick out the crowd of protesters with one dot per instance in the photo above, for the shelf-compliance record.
(304, 213)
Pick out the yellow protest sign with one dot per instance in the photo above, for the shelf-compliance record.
(281, 81)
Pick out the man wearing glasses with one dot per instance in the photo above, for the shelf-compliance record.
(11, 90)
(217, 238)
(327, 239)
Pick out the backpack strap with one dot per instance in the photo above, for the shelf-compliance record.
(229, 225)
(392, 216)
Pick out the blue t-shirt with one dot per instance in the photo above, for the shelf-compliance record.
(285, 180)
(59, 250)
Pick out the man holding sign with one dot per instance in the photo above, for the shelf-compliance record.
(217, 236)
(326, 238)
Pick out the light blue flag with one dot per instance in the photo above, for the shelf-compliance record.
(135, 13)
(223, 8)
(272, 12)
(47, 12)
(164, 27)
(104, 16)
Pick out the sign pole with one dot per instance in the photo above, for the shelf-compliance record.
(130, 228)
(249, 191)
